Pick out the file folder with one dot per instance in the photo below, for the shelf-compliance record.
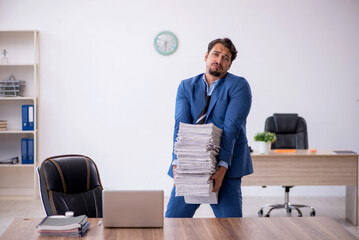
(30, 119)
(30, 151)
(285, 150)
(24, 150)
(25, 116)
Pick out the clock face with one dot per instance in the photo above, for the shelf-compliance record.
(166, 43)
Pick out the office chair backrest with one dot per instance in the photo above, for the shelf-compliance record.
(290, 130)
(70, 183)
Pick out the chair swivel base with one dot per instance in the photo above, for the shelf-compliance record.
(288, 207)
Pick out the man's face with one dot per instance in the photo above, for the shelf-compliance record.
(218, 60)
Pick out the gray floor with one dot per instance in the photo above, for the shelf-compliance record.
(324, 206)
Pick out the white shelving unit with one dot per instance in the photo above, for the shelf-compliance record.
(19, 180)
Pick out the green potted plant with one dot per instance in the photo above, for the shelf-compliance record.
(265, 140)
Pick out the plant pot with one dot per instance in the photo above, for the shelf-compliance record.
(264, 147)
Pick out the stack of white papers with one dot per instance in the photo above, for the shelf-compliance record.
(196, 147)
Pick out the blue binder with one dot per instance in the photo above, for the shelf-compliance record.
(30, 118)
(30, 151)
(25, 116)
(24, 150)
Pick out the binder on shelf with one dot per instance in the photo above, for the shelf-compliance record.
(27, 151)
(25, 116)
(30, 151)
(24, 151)
(30, 119)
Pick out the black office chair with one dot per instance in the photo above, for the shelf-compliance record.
(70, 183)
(291, 133)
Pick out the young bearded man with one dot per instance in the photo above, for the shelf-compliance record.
(223, 99)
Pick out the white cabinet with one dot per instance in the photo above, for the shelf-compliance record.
(18, 180)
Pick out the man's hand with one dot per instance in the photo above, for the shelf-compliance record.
(218, 178)
(174, 173)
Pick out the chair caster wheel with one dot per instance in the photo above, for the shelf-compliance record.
(289, 210)
(260, 213)
(300, 215)
(312, 213)
(267, 215)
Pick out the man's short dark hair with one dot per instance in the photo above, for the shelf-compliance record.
(227, 43)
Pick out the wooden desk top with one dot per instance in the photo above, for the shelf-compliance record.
(303, 168)
(203, 228)
(303, 153)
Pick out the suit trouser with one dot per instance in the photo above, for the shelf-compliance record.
(229, 202)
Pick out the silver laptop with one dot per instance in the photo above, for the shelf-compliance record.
(133, 208)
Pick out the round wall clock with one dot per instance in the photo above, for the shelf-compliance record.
(166, 43)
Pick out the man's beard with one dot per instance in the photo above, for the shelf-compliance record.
(214, 73)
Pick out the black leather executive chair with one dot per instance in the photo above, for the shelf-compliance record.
(70, 183)
(291, 133)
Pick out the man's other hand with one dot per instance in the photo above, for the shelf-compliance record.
(217, 177)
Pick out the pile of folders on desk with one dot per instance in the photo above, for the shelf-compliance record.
(63, 226)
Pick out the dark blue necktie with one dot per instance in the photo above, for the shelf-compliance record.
(202, 117)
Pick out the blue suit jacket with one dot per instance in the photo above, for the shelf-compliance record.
(228, 109)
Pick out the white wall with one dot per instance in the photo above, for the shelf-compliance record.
(106, 93)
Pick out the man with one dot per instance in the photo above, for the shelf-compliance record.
(228, 100)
